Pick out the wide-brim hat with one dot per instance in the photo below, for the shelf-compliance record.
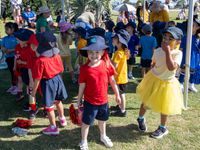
(44, 9)
(95, 43)
(175, 32)
(64, 26)
(123, 36)
(46, 40)
(23, 34)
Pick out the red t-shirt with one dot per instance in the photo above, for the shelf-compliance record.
(96, 80)
(47, 67)
(24, 54)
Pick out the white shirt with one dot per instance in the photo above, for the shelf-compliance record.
(160, 69)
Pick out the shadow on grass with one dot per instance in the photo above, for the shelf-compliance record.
(69, 139)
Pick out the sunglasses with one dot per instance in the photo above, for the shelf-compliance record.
(170, 38)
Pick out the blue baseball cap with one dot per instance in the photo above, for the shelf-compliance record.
(175, 32)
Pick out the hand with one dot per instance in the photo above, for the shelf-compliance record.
(118, 99)
(19, 62)
(165, 47)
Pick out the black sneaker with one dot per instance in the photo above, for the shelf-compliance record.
(114, 107)
(159, 133)
(26, 107)
(19, 97)
(118, 113)
(33, 114)
(141, 125)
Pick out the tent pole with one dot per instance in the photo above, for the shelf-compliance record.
(188, 52)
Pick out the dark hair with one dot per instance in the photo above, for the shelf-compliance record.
(9, 25)
(15, 27)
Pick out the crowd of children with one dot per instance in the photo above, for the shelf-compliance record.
(102, 57)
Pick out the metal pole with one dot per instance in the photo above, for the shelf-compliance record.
(188, 52)
(63, 11)
(144, 11)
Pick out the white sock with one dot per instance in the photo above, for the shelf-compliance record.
(103, 136)
(53, 127)
(62, 118)
(123, 110)
(83, 141)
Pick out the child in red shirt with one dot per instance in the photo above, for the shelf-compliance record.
(93, 84)
(47, 69)
(23, 59)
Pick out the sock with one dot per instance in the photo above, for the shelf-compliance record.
(84, 141)
(62, 118)
(52, 126)
(103, 136)
(141, 117)
(162, 126)
(123, 110)
(33, 107)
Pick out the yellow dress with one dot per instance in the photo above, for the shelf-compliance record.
(159, 92)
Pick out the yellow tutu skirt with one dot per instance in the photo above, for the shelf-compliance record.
(161, 96)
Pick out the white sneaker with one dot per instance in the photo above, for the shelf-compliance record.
(14, 91)
(83, 146)
(192, 88)
(11, 89)
(107, 141)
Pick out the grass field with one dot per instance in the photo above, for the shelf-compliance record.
(184, 130)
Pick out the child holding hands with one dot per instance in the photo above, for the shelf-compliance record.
(95, 76)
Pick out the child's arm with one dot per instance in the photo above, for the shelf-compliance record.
(7, 51)
(35, 86)
(115, 89)
(171, 64)
(80, 93)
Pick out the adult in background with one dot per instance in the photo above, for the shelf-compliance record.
(16, 10)
(3, 10)
(29, 16)
(122, 17)
(86, 20)
(158, 13)
(42, 25)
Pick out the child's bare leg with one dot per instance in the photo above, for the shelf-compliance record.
(60, 109)
(51, 116)
(102, 128)
(123, 102)
(143, 71)
(163, 119)
(84, 132)
(142, 110)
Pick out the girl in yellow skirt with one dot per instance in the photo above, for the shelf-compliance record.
(160, 90)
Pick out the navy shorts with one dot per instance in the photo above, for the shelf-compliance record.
(146, 63)
(24, 75)
(91, 112)
(131, 61)
(122, 88)
(53, 89)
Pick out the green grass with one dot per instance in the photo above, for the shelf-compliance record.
(184, 130)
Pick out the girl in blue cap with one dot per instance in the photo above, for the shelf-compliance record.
(160, 90)
(93, 84)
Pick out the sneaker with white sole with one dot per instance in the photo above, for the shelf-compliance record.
(50, 131)
(192, 88)
(83, 146)
(159, 133)
(63, 121)
(107, 141)
(142, 127)
(14, 91)
(11, 89)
